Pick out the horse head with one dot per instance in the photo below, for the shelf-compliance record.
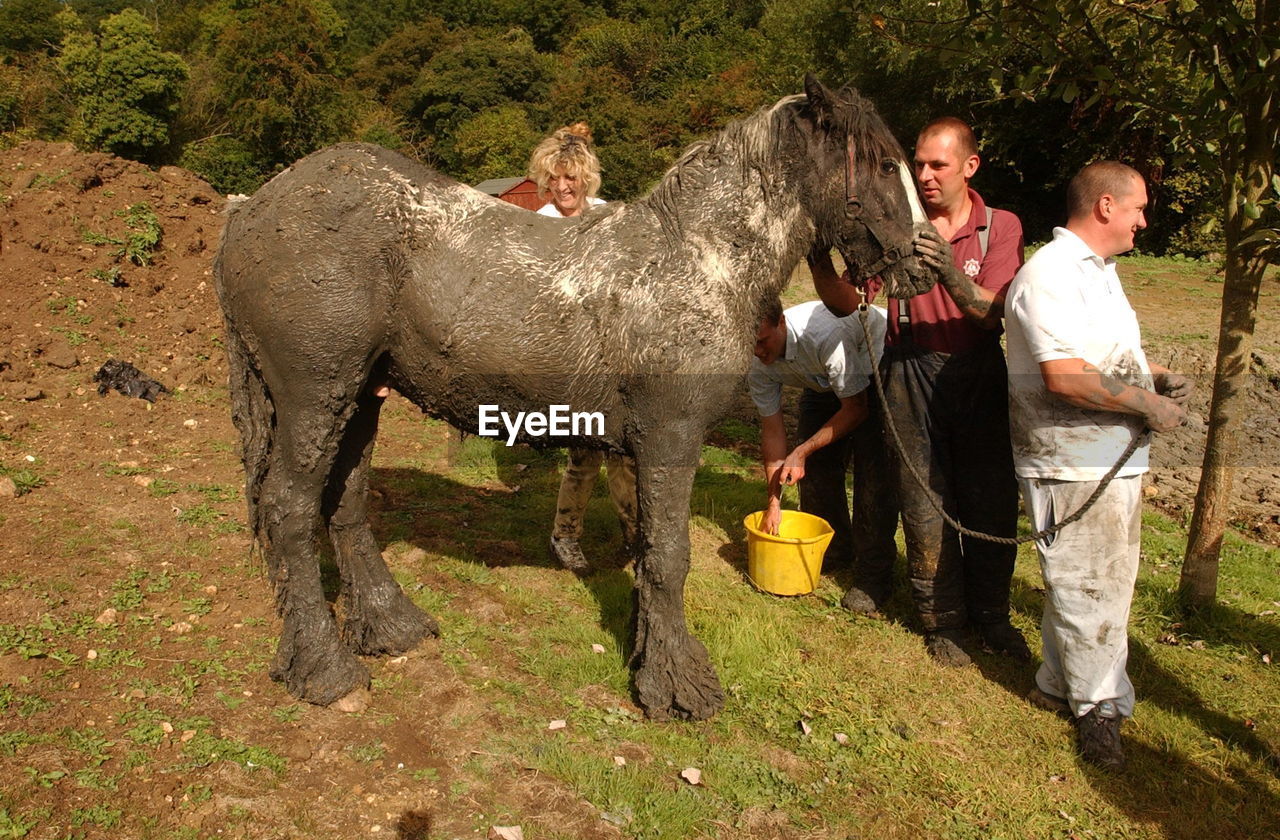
(864, 201)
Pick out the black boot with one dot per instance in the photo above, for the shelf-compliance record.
(1003, 637)
(1098, 736)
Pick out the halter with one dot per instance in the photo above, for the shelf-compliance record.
(889, 255)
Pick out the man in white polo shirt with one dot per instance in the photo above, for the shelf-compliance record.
(1080, 389)
(810, 348)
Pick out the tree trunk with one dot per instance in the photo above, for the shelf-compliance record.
(1244, 269)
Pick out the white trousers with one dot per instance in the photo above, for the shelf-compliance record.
(1089, 570)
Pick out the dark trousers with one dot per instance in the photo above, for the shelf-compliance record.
(952, 413)
(864, 539)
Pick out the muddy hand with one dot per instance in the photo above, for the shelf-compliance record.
(1166, 416)
(792, 469)
(1175, 386)
(933, 250)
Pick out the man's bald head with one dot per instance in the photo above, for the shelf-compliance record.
(966, 142)
(1102, 177)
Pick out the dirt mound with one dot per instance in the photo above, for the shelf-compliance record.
(1176, 456)
(103, 257)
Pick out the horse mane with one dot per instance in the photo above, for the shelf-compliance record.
(755, 143)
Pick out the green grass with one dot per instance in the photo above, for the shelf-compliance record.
(24, 478)
(924, 752)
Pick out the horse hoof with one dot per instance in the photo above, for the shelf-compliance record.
(678, 681)
(353, 703)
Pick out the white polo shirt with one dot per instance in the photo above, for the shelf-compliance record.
(823, 353)
(1066, 302)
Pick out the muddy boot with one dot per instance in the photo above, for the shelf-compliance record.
(1003, 637)
(944, 647)
(1098, 736)
(859, 601)
(567, 552)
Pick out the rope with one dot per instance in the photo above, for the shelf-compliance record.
(1137, 441)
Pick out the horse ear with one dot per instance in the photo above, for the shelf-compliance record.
(820, 99)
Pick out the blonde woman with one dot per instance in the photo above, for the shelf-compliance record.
(567, 172)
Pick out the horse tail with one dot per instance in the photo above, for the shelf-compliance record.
(253, 413)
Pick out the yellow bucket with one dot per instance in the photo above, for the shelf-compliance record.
(790, 562)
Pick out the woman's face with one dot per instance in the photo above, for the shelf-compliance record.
(568, 193)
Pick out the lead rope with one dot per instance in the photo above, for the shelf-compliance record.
(911, 467)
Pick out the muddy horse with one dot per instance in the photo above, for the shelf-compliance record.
(357, 265)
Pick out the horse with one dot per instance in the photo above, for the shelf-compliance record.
(357, 265)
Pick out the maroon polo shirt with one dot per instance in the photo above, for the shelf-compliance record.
(937, 324)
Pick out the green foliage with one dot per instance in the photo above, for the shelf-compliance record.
(125, 86)
(494, 144)
(273, 76)
(470, 77)
(15, 826)
(371, 22)
(28, 26)
(100, 815)
(228, 164)
(25, 479)
(33, 102)
(388, 71)
(206, 749)
(144, 236)
(139, 244)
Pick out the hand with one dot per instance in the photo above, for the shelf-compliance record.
(933, 250)
(1166, 416)
(772, 518)
(792, 469)
(1175, 386)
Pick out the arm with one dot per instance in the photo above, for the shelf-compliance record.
(853, 410)
(773, 451)
(1077, 382)
(781, 467)
(983, 306)
(837, 293)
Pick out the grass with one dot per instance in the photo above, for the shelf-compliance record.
(1205, 744)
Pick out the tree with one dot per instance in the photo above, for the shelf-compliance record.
(28, 26)
(494, 144)
(126, 88)
(474, 74)
(274, 77)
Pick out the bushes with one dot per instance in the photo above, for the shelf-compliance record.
(125, 87)
(228, 164)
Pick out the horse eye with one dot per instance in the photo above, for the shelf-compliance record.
(888, 167)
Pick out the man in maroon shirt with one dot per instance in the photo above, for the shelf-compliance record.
(946, 391)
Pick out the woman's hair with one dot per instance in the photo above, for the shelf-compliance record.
(569, 148)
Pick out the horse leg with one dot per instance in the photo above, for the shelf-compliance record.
(377, 616)
(673, 675)
(310, 659)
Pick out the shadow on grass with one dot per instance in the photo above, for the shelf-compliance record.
(1157, 786)
(1161, 784)
(499, 510)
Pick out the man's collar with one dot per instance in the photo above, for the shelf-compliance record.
(789, 349)
(1076, 247)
